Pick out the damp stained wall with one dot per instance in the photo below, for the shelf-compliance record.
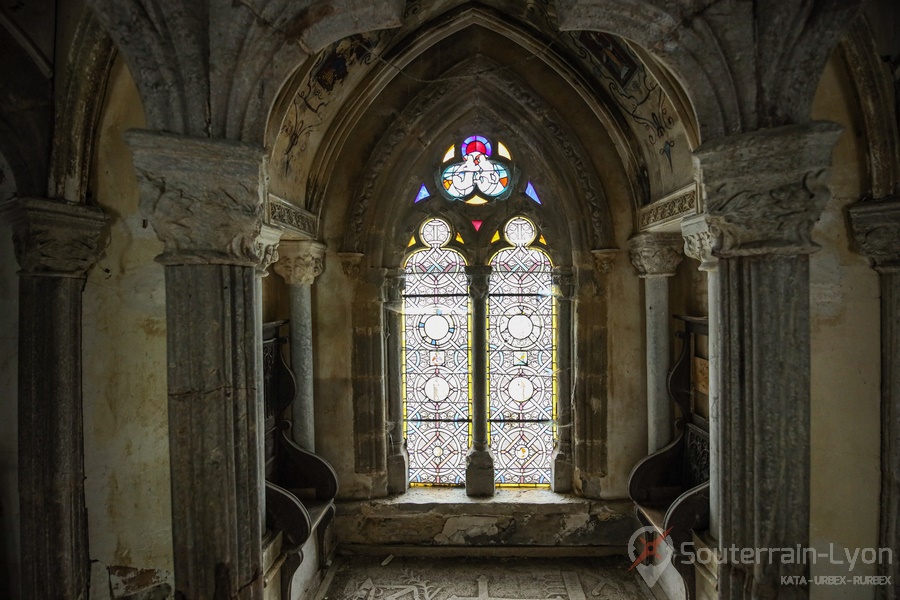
(125, 397)
(846, 358)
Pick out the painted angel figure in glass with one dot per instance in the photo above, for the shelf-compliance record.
(477, 171)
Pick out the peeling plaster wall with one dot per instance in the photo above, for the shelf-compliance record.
(9, 455)
(125, 399)
(844, 296)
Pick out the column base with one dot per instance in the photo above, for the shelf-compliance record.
(479, 473)
(398, 472)
(561, 471)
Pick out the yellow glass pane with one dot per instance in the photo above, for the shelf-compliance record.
(542, 240)
(459, 239)
(450, 153)
(476, 200)
(496, 237)
(502, 151)
(412, 241)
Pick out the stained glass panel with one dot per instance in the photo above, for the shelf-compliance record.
(435, 370)
(478, 171)
(522, 360)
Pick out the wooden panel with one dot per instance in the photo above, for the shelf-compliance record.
(700, 374)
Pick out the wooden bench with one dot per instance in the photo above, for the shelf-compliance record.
(670, 488)
(300, 485)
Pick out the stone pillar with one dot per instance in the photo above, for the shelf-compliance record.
(299, 263)
(876, 229)
(479, 461)
(398, 456)
(562, 464)
(655, 256)
(204, 198)
(56, 243)
(763, 193)
(698, 242)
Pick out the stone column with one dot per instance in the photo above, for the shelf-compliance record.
(56, 243)
(299, 263)
(204, 198)
(479, 461)
(398, 456)
(698, 242)
(655, 256)
(562, 464)
(876, 229)
(763, 192)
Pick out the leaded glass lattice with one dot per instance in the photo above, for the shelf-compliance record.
(435, 367)
(522, 361)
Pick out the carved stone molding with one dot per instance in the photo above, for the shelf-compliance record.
(301, 261)
(267, 248)
(876, 231)
(564, 280)
(656, 254)
(699, 240)
(764, 190)
(478, 276)
(671, 207)
(204, 197)
(54, 238)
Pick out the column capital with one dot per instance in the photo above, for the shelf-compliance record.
(300, 261)
(700, 237)
(764, 190)
(564, 280)
(604, 258)
(656, 254)
(267, 248)
(394, 283)
(54, 238)
(478, 276)
(876, 232)
(203, 196)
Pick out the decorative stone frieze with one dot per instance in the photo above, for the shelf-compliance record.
(671, 207)
(54, 238)
(300, 261)
(204, 197)
(699, 240)
(286, 215)
(876, 231)
(764, 190)
(656, 254)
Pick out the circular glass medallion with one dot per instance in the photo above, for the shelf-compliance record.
(437, 389)
(519, 326)
(520, 389)
(436, 327)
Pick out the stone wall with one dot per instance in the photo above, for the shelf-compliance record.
(125, 401)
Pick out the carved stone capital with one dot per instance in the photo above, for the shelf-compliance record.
(267, 248)
(300, 261)
(350, 263)
(876, 232)
(478, 276)
(204, 197)
(394, 284)
(655, 254)
(564, 280)
(764, 190)
(604, 258)
(53, 238)
(700, 237)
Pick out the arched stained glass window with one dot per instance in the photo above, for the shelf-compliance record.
(435, 368)
(522, 361)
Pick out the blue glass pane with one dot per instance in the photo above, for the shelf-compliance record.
(423, 193)
(531, 193)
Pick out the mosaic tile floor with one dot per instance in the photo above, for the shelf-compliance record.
(404, 578)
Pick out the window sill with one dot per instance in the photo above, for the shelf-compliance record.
(447, 517)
